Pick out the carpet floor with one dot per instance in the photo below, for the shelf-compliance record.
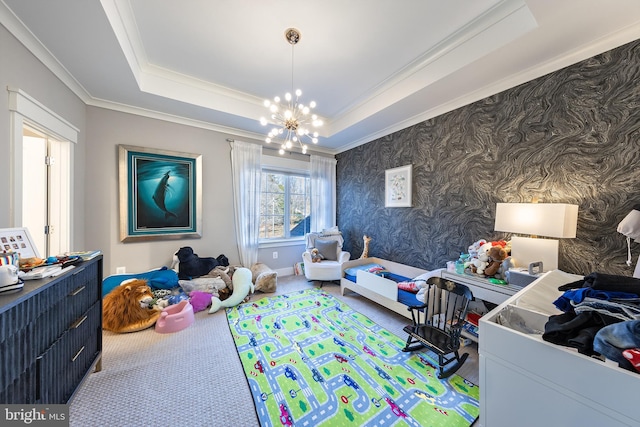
(194, 377)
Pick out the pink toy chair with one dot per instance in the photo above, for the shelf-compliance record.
(175, 318)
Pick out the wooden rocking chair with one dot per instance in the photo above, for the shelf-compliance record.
(437, 324)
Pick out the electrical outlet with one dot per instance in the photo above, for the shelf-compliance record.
(275, 255)
(121, 270)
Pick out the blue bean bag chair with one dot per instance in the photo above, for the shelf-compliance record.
(162, 278)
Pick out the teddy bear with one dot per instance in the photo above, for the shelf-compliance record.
(481, 261)
(126, 308)
(316, 256)
(497, 254)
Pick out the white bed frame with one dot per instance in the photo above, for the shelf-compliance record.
(378, 289)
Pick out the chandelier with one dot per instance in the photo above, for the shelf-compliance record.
(292, 119)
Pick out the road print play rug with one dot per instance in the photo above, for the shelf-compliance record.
(310, 360)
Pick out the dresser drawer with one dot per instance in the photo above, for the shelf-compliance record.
(67, 300)
(63, 365)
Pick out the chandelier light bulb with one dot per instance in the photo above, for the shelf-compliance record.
(263, 121)
(312, 104)
(287, 96)
(305, 110)
(281, 151)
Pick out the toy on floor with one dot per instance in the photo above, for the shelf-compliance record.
(365, 250)
(264, 279)
(190, 265)
(242, 285)
(200, 300)
(175, 318)
(126, 308)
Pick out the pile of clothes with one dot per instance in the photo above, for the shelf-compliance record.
(601, 316)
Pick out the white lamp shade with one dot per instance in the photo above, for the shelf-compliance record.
(541, 219)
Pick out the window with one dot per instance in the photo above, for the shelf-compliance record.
(285, 205)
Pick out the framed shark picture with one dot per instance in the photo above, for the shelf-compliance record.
(160, 194)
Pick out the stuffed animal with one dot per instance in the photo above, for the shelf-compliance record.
(264, 279)
(190, 265)
(242, 285)
(365, 249)
(126, 308)
(199, 300)
(497, 254)
(203, 284)
(316, 256)
(223, 273)
(481, 261)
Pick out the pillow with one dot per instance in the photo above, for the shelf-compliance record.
(408, 286)
(328, 249)
(330, 231)
(371, 268)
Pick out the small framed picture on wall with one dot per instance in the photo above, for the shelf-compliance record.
(397, 188)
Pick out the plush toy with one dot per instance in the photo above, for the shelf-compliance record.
(475, 247)
(497, 254)
(190, 265)
(202, 284)
(481, 261)
(126, 308)
(242, 285)
(199, 300)
(365, 249)
(223, 273)
(316, 256)
(264, 279)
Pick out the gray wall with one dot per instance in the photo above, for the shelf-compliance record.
(571, 136)
(20, 69)
(107, 129)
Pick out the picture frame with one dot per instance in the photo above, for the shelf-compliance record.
(160, 194)
(397, 188)
(18, 240)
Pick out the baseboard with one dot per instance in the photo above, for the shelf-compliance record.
(288, 271)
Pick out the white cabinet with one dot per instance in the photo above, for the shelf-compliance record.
(528, 382)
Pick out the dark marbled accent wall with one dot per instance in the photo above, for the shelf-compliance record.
(571, 136)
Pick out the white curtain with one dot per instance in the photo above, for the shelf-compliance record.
(246, 169)
(323, 192)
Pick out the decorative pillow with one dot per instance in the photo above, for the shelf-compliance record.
(408, 286)
(328, 249)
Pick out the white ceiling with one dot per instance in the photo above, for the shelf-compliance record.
(372, 66)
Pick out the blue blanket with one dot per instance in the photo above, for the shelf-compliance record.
(156, 279)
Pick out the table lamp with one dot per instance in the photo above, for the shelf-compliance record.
(557, 220)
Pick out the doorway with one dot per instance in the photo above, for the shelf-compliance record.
(45, 190)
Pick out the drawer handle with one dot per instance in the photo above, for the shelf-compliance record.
(78, 322)
(77, 354)
(77, 291)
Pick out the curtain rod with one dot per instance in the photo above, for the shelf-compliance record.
(231, 140)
